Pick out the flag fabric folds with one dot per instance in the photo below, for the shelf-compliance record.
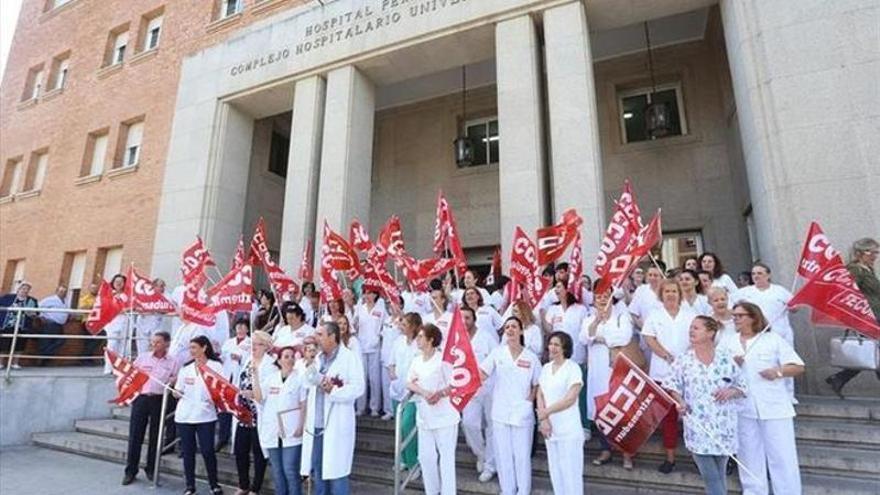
(107, 306)
(129, 378)
(460, 355)
(225, 395)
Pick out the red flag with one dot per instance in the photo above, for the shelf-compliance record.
(552, 241)
(107, 306)
(446, 234)
(817, 253)
(337, 252)
(238, 259)
(129, 378)
(305, 266)
(459, 353)
(622, 231)
(194, 307)
(837, 301)
(623, 264)
(195, 258)
(539, 286)
(233, 293)
(523, 258)
(419, 273)
(259, 244)
(632, 408)
(284, 285)
(145, 297)
(225, 395)
(330, 289)
(391, 240)
(358, 236)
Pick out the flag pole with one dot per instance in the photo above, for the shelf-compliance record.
(128, 329)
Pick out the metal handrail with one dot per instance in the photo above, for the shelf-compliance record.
(129, 338)
(160, 441)
(399, 445)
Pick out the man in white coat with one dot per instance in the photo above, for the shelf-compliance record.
(335, 382)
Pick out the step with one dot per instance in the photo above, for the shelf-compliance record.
(861, 434)
(835, 408)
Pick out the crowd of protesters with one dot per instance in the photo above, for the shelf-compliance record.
(723, 348)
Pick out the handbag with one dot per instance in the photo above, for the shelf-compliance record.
(855, 352)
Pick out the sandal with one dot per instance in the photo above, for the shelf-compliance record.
(604, 458)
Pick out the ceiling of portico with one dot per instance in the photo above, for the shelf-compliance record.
(432, 67)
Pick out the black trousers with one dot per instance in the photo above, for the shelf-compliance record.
(247, 442)
(145, 410)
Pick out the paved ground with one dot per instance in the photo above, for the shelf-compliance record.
(40, 471)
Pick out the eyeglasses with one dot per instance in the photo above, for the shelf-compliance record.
(740, 315)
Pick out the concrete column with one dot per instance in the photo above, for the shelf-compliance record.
(523, 187)
(304, 167)
(807, 101)
(575, 156)
(347, 150)
(808, 106)
(205, 185)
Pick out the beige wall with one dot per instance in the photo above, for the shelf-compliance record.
(413, 158)
(697, 178)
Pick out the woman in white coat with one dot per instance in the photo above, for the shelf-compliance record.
(436, 418)
(281, 396)
(532, 333)
(766, 418)
(488, 320)
(567, 316)
(609, 326)
(369, 317)
(118, 327)
(709, 262)
(516, 370)
(690, 297)
(559, 386)
(328, 442)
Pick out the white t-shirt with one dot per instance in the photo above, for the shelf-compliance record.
(566, 424)
(402, 355)
(489, 321)
(279, 414)
(195, 406)
(725, 282)
(286, 336)
(644, 300)
(569, 322)
(672, 333)
(773, 302)
(432, 375)
(368, 323)
(416, 302)
(514, 379)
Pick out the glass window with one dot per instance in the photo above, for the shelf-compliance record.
(632, 105)
(119, 45)
(229, 7)
(96, 154)
(154, 29)
(279, 152)
(11, 178)
(36, 171)
(484, 138)
(134, 137)
(61, 74)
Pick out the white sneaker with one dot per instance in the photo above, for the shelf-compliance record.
(388, 417)
(374, 414)
(485, 476)
(16, 366)
(479, 466)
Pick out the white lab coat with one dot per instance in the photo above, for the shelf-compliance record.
(565, 447)
(700, 305)
(773, 302)
(766, 426)
(339, 418)
(401, 357)
(286, 336)
(725, 282)
(232, 348)
(489, 322)
(644, 301)
(279, 396)
(617, 331)
(672, 333)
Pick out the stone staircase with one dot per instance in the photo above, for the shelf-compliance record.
(838, 446)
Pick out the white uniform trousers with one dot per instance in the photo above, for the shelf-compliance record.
(476, 421)
(438, 475)
(768, 445)
(565, 459)
(116, 340)
(386, 392)
(373, 379)
(513, 457)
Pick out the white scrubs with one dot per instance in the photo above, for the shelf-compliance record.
(234, 354)
(513, 417)
(699, 306)
(368, 323)
(442, 322)
(565, 447)
(773, 302)
(766, 424)
(116, 337)
(402, 356)
(672, 333)
(476, 418)
(390, 332)
(288, 337)
(437, 425)
(617, 332)
(569, 321)
(725, 282)
(489, 322)
(534, 338)
(147, 325)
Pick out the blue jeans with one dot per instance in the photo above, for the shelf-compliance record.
(339, 486)
(205, 433)
(285, 470)
(224, 425)
(48, 347)
(713, 470)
